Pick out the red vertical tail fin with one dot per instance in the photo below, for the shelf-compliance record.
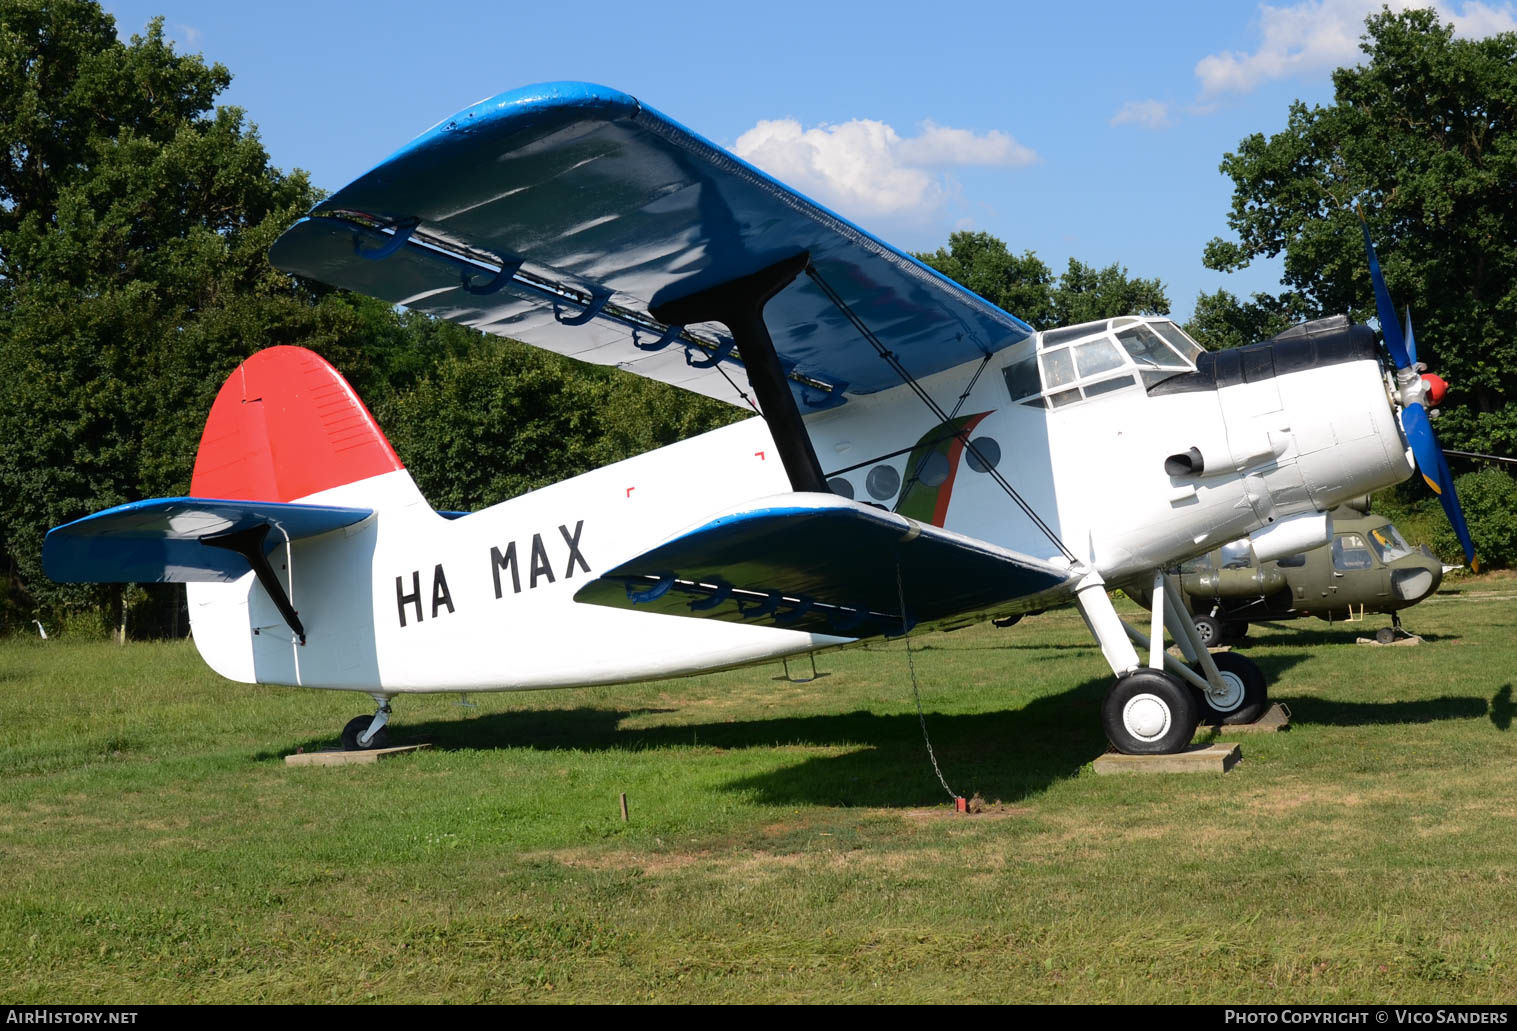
(285, 426)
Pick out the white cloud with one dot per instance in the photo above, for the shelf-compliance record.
(1316, 35)
(1149, 114)
(864, 167)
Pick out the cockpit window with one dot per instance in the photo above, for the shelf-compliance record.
(1147, 348)
(1058, 368)
(1055, 337)
(1199, 564)
(1077, 363)
(1389, 544)
(1350, 552)
(1097, 356)
(1176, 338)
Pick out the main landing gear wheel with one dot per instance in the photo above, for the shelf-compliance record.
(1148, 712)
(1386, 635)
(1243, 697)
(356, 726)
(1235, 630)
(1210, 630)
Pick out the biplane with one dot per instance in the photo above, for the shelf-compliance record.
(922, 459)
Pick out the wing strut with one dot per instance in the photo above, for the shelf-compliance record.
(249, 544)
(739, 305)
(935, 408)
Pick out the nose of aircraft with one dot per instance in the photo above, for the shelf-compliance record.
(1417, 578)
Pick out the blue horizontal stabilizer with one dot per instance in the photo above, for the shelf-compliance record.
(824, 565)
(163, 540)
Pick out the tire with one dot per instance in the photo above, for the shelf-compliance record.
(1386, 635)
(1247, 698)
(1235, 630)
(1148, 712)
(1210, 630)
(356, 726)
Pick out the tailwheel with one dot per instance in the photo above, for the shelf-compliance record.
(366, 732)
(1243, 696)
(1148, 712)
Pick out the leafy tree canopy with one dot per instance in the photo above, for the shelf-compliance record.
(1025, 286)
(1423, 138)
(135, 223)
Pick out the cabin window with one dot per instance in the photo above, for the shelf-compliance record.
(1350, 553)
(1022, 378)
(1293, 561)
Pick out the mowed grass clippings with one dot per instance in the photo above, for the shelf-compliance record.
(787, 841)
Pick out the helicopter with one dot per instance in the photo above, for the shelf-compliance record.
(1368, 567)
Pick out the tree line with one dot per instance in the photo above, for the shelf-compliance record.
(136, 216)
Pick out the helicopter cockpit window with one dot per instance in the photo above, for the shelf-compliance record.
(1350, 553)
(1199, 564)
(1237, 554)
(1389, 544)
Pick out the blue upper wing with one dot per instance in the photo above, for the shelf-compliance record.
(559, 214)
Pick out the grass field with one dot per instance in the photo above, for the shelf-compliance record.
(787, 841)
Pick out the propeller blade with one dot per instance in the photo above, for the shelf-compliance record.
(1411, 341)
(1435, 472)
(1390, 327)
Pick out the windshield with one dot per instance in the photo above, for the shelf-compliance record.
(1389, 544)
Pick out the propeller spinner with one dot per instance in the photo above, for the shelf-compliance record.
(1412, 389)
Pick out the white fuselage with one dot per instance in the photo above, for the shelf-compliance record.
(410, 601)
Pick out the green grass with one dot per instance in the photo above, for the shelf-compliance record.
(788, 842)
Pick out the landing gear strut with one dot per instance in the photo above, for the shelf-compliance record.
(1155, 709)
(365, 732)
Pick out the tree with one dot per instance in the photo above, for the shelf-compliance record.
(1025, 286)
(1085, 294)
(135, 222)
(981, 262)
(1221, 320)
(1423, 138)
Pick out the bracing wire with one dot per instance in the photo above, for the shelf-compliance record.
(936, 409)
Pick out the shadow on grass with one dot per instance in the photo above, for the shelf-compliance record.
(1335, 713)
(1006, 754)
(1337, 633)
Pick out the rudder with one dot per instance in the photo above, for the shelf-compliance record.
(286, 426)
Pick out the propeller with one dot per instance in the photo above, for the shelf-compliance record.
(1413, 388)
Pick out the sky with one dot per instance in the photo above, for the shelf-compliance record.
(1091, 130)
